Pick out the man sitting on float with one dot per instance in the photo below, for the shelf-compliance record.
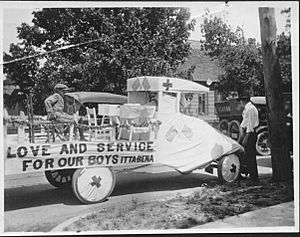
(54, 106)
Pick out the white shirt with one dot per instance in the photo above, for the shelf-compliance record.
(250, 118)
(54, 103)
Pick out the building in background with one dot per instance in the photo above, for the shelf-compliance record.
(206, 73)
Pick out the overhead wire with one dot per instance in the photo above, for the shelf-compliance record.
(48, 52)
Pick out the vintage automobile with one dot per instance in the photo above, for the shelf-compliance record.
(151, 128)
(82, 99)
(230, 117)
(78, 102)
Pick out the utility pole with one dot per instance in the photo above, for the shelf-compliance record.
(281, 163)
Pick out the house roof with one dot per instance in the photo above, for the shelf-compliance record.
(206, 68)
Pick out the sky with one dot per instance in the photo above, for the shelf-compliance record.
(243, 14)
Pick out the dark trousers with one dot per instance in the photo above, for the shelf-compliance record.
(250, 153)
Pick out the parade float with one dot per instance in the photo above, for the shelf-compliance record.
(150, 128)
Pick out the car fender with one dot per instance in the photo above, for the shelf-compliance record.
(261, 128)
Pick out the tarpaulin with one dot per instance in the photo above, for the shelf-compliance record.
(186, 143)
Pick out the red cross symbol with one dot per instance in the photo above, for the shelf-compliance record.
(167, 84)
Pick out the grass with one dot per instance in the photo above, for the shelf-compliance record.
(211, 203)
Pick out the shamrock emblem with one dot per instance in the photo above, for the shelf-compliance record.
(96, 181)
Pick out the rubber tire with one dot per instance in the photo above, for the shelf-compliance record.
(63, 179)
(234, 124)
(229, 163)
(262, 140)
(224, 126)
(82, 179)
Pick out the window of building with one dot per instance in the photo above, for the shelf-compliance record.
(201, 104)
(192, 104)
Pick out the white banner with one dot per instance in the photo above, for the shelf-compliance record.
(183, 142)
(27, 158)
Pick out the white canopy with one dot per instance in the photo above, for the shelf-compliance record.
(149, 83)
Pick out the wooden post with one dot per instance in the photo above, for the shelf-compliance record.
(53, 131)
(21, 134)
(21, 130)
(30, 117)
(281, 163)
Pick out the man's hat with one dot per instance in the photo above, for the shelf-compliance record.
(61, 87)
(244, 96)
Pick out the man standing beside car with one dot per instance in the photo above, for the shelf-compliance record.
(248, 136)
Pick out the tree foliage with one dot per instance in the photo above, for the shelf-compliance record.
(114, 44)
(241, 58)
(285, 60)
(217, 36)
(287, 13)
(284, 52)
(21, 73)
(243, 69)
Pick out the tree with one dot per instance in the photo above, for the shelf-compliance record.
(241, 59)
(217, 36)
(243, 69)
(287, 13)
(114, 44)
(22, 73)
(281, 163)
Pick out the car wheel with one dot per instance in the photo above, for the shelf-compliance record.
(234, 129)
(223, 126)
(229, 168)
(93, 185)
(60, 178)
(261, 145)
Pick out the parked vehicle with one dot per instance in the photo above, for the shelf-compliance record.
(230, 117)
(77, 101)
(151, 128)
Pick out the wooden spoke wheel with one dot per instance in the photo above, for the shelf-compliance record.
(234, 129)
(93, 185)
(229, 168)
(261, 145)
(224, 126)
(60, 178)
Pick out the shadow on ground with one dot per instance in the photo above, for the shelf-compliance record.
(127, 183)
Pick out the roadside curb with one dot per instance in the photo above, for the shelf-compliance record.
(282, 216)
(66, 223)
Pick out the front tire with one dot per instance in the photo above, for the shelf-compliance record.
(93, 185)
(229, 168)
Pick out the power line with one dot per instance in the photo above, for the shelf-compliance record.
(48, 52)
(227, 6)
